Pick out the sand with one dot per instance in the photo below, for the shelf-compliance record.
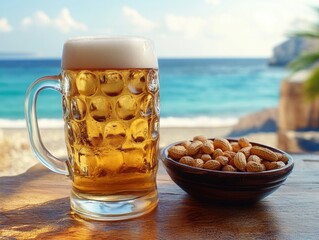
(17, 157)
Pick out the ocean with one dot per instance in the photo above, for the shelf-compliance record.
(194, 92)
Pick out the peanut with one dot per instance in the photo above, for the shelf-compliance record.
(176, 152)
(217, 152)
(235, 146)
(266, 163)
(200, 138)
(185, 144)
(229, 154)
(243, 142)
(206, 157)
(246, 151)
(187, 160)
(223, 144)
(222, 160)
(212, 164)
(194, 147)
(240, 161)
(264, 153)
(282, 157)
(198, 163)
(254, 158)
(229, 168)
(255, 167)
(275, 165)
(207, 147)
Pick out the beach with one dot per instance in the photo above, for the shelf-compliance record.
(17, 156)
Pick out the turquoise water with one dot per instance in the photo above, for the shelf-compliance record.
(216, 90)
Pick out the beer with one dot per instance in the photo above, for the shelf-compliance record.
(110, 101)
(111, 123)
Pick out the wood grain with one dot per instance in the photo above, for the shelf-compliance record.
(35, 205)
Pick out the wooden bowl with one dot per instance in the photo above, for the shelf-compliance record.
(226, 187)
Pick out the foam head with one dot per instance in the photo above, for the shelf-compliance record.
(108, 53)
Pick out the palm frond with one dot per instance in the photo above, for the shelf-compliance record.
(304, 61)
(311, 32)
(311, 85)
(305, 34)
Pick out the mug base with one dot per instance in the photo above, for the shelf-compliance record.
(113, 210)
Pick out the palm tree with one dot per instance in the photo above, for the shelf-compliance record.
(309, 60)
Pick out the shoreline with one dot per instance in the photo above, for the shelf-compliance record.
(165, 122)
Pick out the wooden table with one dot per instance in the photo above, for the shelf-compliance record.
(36, 205)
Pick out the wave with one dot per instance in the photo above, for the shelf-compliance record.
(21, 123)
(176, 122)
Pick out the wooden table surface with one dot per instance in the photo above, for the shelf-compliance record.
(35, 205)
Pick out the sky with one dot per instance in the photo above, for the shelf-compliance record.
(179, 28)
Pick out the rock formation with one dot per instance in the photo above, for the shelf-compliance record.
(291, 49)
(261, 121)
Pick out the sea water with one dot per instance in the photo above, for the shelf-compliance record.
(194, 92)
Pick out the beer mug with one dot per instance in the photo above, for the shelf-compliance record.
(110, 101)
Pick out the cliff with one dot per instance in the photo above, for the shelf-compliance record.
(289, 50)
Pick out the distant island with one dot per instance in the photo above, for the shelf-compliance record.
(289, 50)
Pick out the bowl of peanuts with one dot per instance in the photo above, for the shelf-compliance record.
(226, 170)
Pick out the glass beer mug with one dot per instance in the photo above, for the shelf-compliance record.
(110, 101)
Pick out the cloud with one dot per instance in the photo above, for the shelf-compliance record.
(4, 25)
(188, 26)
(64, 22)
(41, 18)
(26, 21)
(213, 2)
(137, 20)
(227, 33)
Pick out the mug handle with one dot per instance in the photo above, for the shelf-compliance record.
(48, 82)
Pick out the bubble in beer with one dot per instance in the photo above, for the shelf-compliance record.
(134, 158)
(69, 84)
(157, 104)
(76, 133)
(151, 155)
(146, 105)
(114, 134)
(111, 83)
(94, 132)
(65, 108)
(96, 140)
(86, 161)
(152, 81)
(80, 128)
(136, 81)
(126, 107)
(100, 109)
(112, 160)
(155, 132)
(139, 130)
(78, 108)
(86, 83)
(70, 135)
